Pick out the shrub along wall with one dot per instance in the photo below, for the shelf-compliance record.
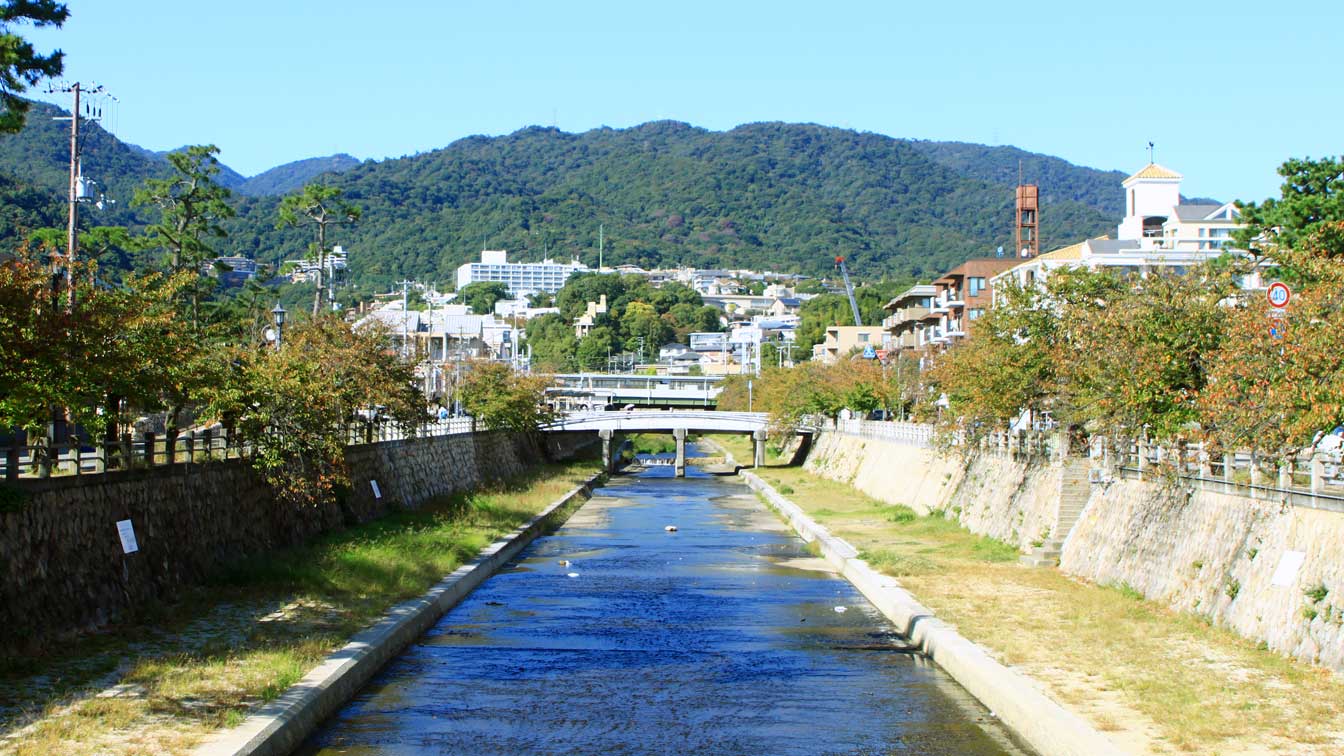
(63, 565)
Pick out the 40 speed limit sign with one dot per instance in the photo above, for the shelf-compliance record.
(1279, 295)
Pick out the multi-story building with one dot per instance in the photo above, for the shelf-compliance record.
(585, 322)
(904, 326)
(521, 278)
(232, 271)
(841, 340)
(1157, 232)
(306, 270)
(939, 313)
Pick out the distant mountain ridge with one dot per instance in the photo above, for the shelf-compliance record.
(777, 196)
(41, 154)
(780, 196)
(289, 177)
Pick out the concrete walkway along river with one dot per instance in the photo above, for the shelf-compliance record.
(615, 635)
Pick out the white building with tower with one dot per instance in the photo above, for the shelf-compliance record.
(521, 278)
(1158, 231)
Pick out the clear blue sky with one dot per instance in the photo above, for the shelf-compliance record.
(1227, 90)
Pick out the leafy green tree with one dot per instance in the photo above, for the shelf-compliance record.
(20, 65)
(115, 343)
(1147, 346)
(321, 206)
(1312, 197)
(501, 399)
(552, 341)
(583, 288)
(595, 348)
(642, 322)
(191, 207)
(294, 404)
(1013, 360)
(482, 295)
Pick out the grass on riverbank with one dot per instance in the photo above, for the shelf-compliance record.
(1157, 681)
(654, 443)
(163, 684)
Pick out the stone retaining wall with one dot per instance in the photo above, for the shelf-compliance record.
(991, 494)
(63, 566)
(1213, 554)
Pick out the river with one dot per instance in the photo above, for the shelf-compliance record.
(725, 636)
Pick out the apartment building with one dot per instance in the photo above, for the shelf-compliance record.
(841, 340)
(908, 310)
(521, 278)
(939, 314)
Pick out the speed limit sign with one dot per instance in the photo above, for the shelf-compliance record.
(1279, 295)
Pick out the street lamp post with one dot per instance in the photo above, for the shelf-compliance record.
(278, 312)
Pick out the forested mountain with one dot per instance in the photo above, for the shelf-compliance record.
(787, 197)
(290, 177)
(1059, 180)
(41, 154)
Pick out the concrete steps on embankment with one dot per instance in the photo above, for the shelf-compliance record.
(1075, 488)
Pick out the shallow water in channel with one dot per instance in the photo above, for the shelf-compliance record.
(720, 638)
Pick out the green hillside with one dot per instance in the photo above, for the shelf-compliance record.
(290, 177)
(1060, 180)
(787, 197)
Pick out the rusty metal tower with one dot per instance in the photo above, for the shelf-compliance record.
(1027, 234)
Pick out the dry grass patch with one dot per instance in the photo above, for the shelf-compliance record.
(1154, 679)
(161, 684)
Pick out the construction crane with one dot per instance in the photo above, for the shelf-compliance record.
(849, 290)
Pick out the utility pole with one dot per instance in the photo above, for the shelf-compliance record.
(72, 222)
(405, 313)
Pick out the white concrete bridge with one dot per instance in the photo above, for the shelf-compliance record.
(676, 422)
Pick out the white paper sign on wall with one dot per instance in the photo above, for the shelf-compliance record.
(127, 533)
(377, 494)
(1286, 573)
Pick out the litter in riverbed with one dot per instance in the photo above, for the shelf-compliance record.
(671, 528)
(840, 610)
(564, 562)
(573, 574)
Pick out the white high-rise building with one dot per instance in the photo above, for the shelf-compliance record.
(521, 278)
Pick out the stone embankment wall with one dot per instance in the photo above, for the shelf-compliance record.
(63, 566)
(1216, 554)
(990, 494)
(1210, 553)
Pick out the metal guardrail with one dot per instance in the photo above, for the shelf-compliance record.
(73, 458)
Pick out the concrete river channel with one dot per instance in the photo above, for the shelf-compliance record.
(724, 637)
